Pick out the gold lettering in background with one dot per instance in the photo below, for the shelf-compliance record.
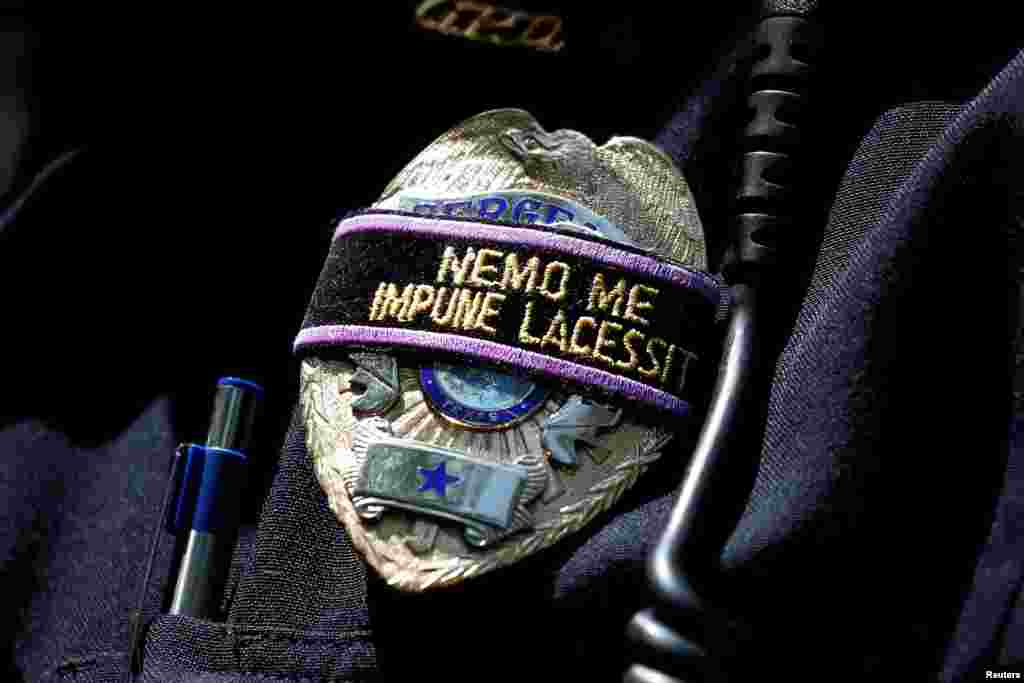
(452, 303)
(488, 23)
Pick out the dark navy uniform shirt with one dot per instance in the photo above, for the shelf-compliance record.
(181, 237)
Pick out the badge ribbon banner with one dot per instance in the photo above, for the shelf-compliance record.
(439, 481)
(530, 298)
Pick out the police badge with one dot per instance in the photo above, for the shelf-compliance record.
(500, 346)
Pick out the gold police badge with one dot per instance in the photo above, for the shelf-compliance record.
(502, 344)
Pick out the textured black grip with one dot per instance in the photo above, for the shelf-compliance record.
(691, 633)
(786, 53)
(771, 128)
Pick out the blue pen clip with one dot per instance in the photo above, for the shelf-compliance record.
(208, 479)
(207, 487)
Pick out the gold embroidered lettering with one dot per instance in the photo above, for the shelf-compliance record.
(515, 278)
(446, 319)
(450, 263)
(394, 305)
(490, 307)
(558, 333)
(481, 267)
(653, 372)
(378, 299)
(468, 309)
(405, 314)
(602, 298)
(563, 285)
(603, 342)
(634, 355)
(668, 364)
(422, 300)
(637, 304)
(524, 329)
(574, 344)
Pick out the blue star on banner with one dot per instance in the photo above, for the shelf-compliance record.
(437, 478)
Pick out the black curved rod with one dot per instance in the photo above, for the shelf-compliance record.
(682, 556)
(681, 538)
(688, 636)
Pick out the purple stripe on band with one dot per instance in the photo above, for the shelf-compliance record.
(601, 253)
(490, 351)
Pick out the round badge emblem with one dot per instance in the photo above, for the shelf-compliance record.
(480, 398)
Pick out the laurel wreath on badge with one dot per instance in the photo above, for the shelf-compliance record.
(395, 549)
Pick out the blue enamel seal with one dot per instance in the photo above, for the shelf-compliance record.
(480, 398)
